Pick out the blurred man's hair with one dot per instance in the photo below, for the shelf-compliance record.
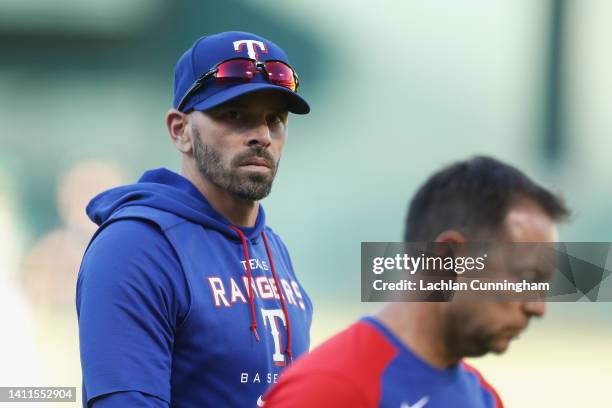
(473, 197)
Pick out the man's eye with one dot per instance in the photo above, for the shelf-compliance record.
(275, 119)
(233, 115)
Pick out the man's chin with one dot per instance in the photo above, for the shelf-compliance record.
(497, 345)
(252, 191)
(500, 345)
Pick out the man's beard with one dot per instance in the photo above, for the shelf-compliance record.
(464, 339)
(250, 186)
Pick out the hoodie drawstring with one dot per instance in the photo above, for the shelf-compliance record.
(288, 351)
(245, 247)
(253, 326)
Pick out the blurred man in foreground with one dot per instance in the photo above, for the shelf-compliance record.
(409, 355)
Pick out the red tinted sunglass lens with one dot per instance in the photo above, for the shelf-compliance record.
(235, 70)
(280, 74)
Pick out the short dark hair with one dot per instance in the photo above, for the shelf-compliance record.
(472, 197)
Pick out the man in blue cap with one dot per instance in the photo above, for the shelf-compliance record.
(185, 297)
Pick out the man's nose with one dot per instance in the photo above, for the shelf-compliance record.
(259, 135)
(535, 308)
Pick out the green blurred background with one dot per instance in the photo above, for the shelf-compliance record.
(397, 89)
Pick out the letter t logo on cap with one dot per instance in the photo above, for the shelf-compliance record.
(250, 44)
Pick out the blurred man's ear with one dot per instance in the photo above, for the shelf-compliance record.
(450, 237)
(447, 242)
(177, 124)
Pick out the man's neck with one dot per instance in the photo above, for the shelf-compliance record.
(238, 211)
(420, 329)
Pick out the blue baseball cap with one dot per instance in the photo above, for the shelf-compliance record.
(208, 51)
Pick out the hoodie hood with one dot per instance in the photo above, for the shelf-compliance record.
(165, 190)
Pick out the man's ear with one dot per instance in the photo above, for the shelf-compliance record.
(446, 242)
(178, 128)
(450, 237)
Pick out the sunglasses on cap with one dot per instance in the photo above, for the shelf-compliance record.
(238, 70)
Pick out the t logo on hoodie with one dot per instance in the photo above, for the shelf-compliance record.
(271, 318)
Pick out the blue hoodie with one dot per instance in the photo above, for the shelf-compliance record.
(165, 314)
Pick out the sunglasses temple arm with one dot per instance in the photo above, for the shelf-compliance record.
(193, 88)
(197, 84)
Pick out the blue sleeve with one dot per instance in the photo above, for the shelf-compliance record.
(131, 297)
(130, 399)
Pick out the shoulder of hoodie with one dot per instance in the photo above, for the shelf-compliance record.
(126, 240)
(274, 237)
(135, 250)
(276, 241)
